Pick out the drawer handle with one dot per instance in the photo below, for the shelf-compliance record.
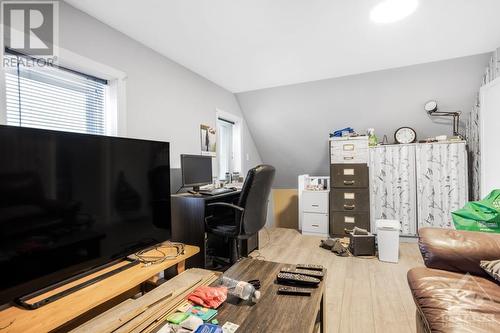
(349, 207)
(315, 225)
(348, 157)
(348, 231)
(349, 182)
(315, 205)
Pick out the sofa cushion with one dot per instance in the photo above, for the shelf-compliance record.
(458, 251)
(492, 268)
(455, 302)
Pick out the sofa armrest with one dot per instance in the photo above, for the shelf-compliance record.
(458, 251)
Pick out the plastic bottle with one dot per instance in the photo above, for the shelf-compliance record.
(372, 138)
(241, 289)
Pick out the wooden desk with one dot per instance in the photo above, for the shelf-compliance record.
(188, 223)
(88, 301)
(273, 312)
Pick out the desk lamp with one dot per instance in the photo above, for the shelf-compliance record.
(431, 108)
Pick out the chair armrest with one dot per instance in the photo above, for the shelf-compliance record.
(457, 250)
(226, 204)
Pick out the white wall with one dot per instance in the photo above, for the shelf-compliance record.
(489, 120)
(291, 123)
(165, 101)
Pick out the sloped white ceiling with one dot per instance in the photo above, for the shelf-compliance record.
(253, 44)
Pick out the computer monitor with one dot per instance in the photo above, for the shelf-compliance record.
(196, 171)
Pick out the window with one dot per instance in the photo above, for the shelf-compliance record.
(226, 156)
(57, 98)
(228, 143)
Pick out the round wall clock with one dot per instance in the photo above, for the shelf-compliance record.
(405, 135)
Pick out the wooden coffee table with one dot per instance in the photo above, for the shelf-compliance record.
(273, 312)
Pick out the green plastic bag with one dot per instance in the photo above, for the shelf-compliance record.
(483, 215)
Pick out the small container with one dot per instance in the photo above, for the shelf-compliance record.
(372, 138)
(362, 245)
(241, 289)
(388, 240)
(235, 177)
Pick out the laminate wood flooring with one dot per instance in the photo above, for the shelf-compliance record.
(363, 295)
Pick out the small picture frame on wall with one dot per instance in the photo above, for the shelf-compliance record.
(208, 138)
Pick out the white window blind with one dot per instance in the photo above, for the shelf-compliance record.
(225, 132)
(55, 98)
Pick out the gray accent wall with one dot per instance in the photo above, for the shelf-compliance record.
(164, 100)
(290, 124)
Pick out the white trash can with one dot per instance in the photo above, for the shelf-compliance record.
(388, 240)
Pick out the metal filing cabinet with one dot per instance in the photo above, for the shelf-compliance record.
(349, 192)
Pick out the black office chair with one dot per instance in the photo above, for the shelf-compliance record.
(249, 213)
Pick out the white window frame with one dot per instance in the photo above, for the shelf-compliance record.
(116, 120)
(237, 139)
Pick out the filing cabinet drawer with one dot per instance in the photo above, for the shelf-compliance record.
(354, 200)
(349, 175)
(315, 202)
(359, 156)
(348, 145)
(344, 222)
(313, 223)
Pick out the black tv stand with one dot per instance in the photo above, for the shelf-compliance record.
(23, 301)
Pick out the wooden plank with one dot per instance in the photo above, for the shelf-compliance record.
(181, 267)
(157, 317)
(156, 314)
(97, 310)
(58, 313)
(129, 314)
(286, 207)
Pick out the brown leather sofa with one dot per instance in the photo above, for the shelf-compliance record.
(453, 293)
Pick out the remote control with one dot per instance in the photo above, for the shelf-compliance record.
(298, 279)
(310, 266)
(294, 291)
(308, 272)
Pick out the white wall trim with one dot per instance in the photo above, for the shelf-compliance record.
(3, 97)
(487, 160)
(86, 65)
(116, 118)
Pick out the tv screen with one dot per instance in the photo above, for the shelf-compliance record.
(70, 202)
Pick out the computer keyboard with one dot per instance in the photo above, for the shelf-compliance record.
(216, 191)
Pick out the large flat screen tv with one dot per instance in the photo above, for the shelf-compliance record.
(70, 202)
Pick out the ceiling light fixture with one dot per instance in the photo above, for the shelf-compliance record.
(389, 11)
